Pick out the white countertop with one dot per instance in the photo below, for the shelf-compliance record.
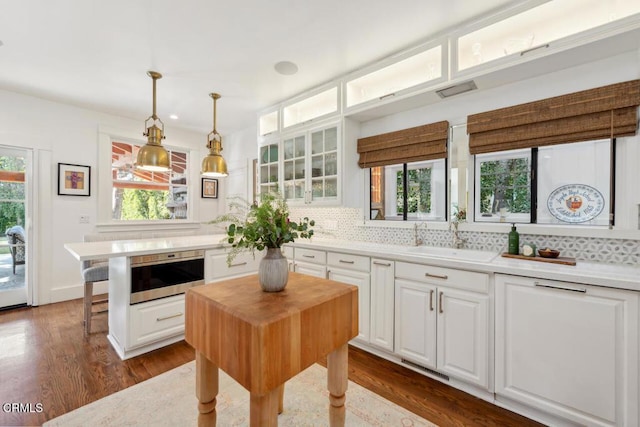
(83, 251)
(609, 275)
(599, 274)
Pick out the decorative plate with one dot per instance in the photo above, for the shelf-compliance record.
(575, 203)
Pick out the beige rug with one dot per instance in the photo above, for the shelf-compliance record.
(169, 400)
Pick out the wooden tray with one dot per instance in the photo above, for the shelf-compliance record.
(559, 260)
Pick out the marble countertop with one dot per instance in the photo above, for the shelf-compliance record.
(83, 251)
(599, 274)
(591, 273)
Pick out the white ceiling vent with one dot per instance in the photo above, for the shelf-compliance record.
(457, 89)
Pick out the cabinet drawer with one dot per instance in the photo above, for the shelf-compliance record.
(310, 255)
(460, 279)
(348, 261)
(155, 320)
(243, 264)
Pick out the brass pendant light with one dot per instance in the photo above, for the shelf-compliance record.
(153, 156)
(214, 165)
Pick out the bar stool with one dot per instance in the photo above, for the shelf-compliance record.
(93, 271)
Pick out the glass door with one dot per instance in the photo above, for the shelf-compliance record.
(13, 237)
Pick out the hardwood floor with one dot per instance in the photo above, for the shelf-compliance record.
(46, 360)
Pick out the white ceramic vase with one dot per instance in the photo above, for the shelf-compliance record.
(273, 272)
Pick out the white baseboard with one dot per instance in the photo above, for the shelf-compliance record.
(76, 291)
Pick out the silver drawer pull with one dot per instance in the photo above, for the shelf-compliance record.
(238, 264)
(437, 276)
(561, 288)
(346, 261)
(160, 319)
(542, 46)
(387, 96)
(386, 264)
(309, 256)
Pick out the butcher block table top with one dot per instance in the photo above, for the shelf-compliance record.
(262, 339)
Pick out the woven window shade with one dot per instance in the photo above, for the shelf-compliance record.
(604, 112)
(426, 142)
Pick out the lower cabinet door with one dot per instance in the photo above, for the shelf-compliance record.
(463, 335)
(361, 280)
(155, 320)
(568, 349)
(315, 270)
(382, 305)
(415, 328)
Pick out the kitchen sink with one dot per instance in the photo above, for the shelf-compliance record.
(451, 253)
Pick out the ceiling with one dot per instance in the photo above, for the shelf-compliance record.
(95, 53)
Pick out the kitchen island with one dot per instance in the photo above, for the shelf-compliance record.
(141, 320)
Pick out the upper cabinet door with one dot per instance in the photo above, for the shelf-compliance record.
(539, 30)
(268, 123)
(407, 72)
(322, 104)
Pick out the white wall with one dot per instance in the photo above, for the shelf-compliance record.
(59, 133)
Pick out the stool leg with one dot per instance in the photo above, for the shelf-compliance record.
(88, 296)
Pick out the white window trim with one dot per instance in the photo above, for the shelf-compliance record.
(105, 223)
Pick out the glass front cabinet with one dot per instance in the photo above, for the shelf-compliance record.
(309, 163)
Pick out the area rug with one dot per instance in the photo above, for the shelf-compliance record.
(169, 400)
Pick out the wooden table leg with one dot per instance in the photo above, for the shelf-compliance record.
(338, 376)
(263, 410)
(206, 390)
(281, 399)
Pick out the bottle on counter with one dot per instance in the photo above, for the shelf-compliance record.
(514, 240)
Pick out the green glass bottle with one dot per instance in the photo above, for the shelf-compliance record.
(514, 240)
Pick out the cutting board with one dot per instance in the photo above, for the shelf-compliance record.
(559, 260)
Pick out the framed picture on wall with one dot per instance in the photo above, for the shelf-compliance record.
(74, 180)
(209, 188)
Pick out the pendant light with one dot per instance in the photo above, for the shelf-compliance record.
(213, 164)
(153, 156)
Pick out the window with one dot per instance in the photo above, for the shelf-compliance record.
(409, 191)
(143, 195)
(556, 184)
(504, 186)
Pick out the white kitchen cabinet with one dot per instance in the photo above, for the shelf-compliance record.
(442, 320)
(354, 270)
(382, 303)
(154, 320)
(538, 29)
(398, 75)
(216, 267)
(568, 349)
(310, 165)
(268, 166)
(310, 261)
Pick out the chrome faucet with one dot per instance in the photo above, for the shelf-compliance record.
(417, 240)
(458, 242)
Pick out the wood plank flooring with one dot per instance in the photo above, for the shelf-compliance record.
(45, 359)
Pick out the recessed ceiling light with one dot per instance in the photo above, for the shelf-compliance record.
(286, 68)
(173, 116)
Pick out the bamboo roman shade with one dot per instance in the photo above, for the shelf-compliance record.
(604, 112)
(426, 142)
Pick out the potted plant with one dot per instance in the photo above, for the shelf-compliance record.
(264, 225)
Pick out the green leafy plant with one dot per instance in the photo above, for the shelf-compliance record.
(263, 225)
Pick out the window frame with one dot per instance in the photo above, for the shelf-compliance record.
(534, 172)
(404, 169)
(108, 135)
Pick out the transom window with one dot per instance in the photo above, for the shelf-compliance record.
(143, 195)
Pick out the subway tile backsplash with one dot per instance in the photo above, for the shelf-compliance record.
(345, 224)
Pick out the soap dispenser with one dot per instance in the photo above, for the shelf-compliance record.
(514, 240)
